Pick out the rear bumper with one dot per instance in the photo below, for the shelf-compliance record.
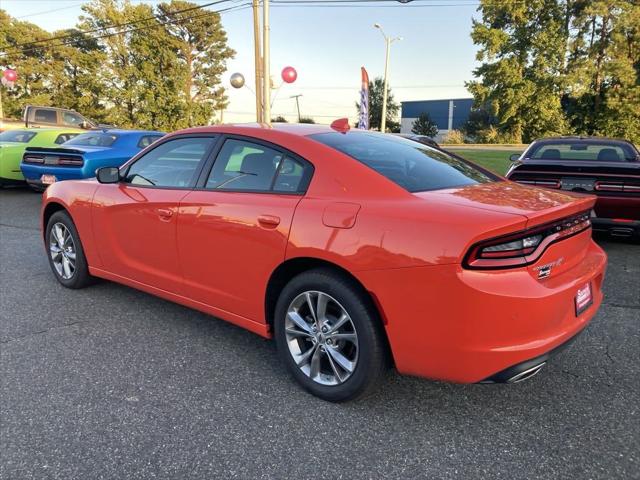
(448, 323)
(33, 173)
(621, 228)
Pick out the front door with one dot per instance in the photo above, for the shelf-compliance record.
(233, 232)
(135, 221)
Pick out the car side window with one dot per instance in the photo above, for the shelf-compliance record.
(147, 140)
(64, 137)
(45, 116)
(243, 165)
(171, 164)
(72, 119)
(293, 176)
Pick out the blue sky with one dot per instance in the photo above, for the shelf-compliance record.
(328, 46)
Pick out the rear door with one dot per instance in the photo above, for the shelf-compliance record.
(135, 220)
(233, 229)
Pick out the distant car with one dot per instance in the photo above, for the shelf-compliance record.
(83, 155)
(14, 142)
(607, 168)
(420, 139)
(49, 117)
(346, 246)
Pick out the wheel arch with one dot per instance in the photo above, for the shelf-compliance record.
(295, 266)
(51, 208)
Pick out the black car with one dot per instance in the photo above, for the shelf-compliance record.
(605, 167)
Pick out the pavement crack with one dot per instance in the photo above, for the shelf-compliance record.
(36, 229)
(41, 332)
(621, 305)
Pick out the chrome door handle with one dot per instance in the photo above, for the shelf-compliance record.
(269, 220)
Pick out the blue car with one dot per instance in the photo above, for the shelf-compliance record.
(81, 156)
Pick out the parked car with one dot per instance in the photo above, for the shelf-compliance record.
(346, 246)
(605, 167)
(419, 138)
(14, 142)
(37, 116)
(81, 156)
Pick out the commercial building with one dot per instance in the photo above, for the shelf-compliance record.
(447, 114)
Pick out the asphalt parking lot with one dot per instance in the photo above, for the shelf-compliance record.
(108, 382)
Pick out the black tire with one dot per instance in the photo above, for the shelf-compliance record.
(80, 277)
(372, 358)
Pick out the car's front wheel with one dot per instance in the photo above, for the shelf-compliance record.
(329, 336)
(65, 252)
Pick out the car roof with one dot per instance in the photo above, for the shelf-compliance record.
(585, 139)
(122, 131)
(298, 129)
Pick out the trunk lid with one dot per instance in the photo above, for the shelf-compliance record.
(54, 157)
(537, 205)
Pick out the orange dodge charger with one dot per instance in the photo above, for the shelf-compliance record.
(352, 249)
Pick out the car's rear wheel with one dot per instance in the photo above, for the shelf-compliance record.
(329, 336)
(65, 252)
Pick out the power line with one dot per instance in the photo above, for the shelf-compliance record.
(96, 37)
(126, 24)
(77, 4)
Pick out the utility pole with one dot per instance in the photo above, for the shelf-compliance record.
(266, 100)
(297, 104)
(388, 41)
(258, 60)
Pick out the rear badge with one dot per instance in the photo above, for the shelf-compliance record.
(545, 270)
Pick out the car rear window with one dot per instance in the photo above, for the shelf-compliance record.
(581, 151)
(19, 136)
(413, 166)
(94, 139)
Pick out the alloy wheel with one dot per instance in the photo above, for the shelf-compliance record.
(62, 250)
(321, 337)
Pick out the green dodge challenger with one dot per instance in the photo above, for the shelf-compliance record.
(14, 142)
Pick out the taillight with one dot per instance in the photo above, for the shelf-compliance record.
(30, 158)
(70, 161)
(540, 183)
(524, 248)
(616, 187)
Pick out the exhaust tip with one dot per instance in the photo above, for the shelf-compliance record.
(621, 232)
(526, 374)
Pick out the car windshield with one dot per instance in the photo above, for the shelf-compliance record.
(581, 150)
(93, 139)
(19, 136)
(413, 166)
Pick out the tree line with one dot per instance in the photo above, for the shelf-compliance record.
(132, 65)
(556, 67)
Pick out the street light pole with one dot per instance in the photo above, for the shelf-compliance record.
(266, 70)
(388, 41)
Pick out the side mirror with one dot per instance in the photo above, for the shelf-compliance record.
(108, 175)
(514, 157)
(85, 125)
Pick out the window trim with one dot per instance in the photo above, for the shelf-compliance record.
(206, 171)
(124, 169)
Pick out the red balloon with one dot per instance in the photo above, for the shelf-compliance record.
(10, 75)
(289, 74)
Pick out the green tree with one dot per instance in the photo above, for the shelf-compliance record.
(279, 119)
(306, 120)
(142, 73)
(604, 69)
(34, 65)
(376, 90)
(202, 48)
(423, 125)
(520, 80)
